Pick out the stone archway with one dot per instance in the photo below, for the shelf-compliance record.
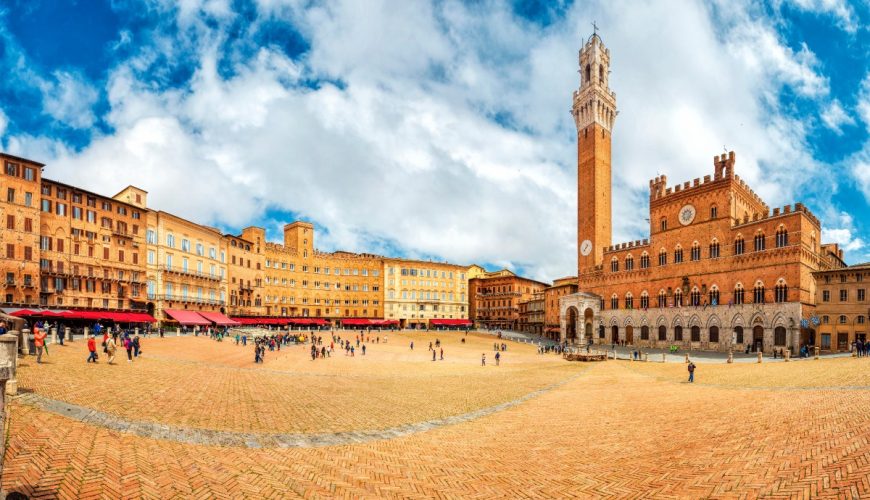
(588, 316)
(571, 325)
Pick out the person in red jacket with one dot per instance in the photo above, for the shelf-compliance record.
(39, 341)
(92, 349)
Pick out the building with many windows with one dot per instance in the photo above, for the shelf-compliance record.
(552, 295)
(300, 281)
(843, 308)
(419, 294)
(20, 184)
(532, 314)
(719, 270)
(186, 266)
(496, 296)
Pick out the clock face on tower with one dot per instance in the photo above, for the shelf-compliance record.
(585, 248)
(687, 215)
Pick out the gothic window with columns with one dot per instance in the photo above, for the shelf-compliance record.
(696, 251)
(663, 257)
(629, 301)
(678, 255)
(781, 237)
(678, 298)
(629, 263)
(759, 241)
(714, 249)
(644, 260)
(662, 300)
(713, 295)
(695, 297)
(614, 265)
(644, 300)
(781, 291)
(739, 246)
(614, 302)
(758, 293)
(738, 294)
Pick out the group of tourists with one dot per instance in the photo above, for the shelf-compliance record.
(862, 348)
(497, 358)
(547, 349)
(112, 339)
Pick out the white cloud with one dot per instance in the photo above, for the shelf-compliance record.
(4, 122)
(863, 106)
(844, 233)
(69, 98)
(840, 10)
(834, 116)
(449, 131)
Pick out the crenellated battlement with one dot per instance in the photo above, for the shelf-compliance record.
(777, 212)
(628, 245)
(723, 168)
(740, 182)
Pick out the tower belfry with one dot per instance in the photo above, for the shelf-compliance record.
(594, 111)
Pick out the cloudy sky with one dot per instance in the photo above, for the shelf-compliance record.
(437, 129)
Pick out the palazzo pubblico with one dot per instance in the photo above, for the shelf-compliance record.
(721, 270)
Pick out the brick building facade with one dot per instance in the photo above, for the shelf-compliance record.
(496, 297)
(719, 270)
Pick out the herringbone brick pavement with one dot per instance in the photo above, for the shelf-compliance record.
(611, 432)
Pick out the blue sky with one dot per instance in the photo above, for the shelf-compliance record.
(437, 129)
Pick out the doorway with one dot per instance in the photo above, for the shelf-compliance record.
(629, 335)
(614, 334)
(758, 338)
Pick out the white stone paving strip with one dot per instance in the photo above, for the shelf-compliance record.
(209, 437)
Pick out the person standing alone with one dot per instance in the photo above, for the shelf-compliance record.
(39, 342)
(691, 368)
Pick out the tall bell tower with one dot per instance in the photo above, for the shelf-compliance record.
(594, 112)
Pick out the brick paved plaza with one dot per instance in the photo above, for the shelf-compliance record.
(393, 423)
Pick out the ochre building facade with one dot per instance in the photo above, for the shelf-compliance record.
(418, 292)
(720, 269)
(843, 308)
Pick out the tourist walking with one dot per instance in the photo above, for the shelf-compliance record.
(128, 345)
(691, 368)
(136, 346)
(483, 359)
(497, 358)
(442, 354)
(110, 349)
(92, 349)
(433, 354)
(39, 342)
(412, 345)
(364, 349)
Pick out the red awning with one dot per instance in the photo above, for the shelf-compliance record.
(187, 317)
(218, 318)
(368, 322)
(450, 322)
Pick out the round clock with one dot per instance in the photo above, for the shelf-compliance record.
(586, 248)
(687, 215)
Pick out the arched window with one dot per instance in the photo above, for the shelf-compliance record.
(696, 251)
(644, 332)
(678, 255)
(713, 295)
(714, 249)
(714, 334)
(662, 300)
(758, 293)
(714, 212)
(738, 333)
(739, 246)
(663, 332)
(600, 73)
(738, 293)
(629, 263)
(695, 297)
(759, 241)
(842, 319)
(678, 333)
(663, 257)
(696, 333)
(781, 237)
(629, 301)
(644, 260)
(644, 300)
(614, 302)
(588, 74)
(614, 265)
(780, 292)
(779, 335)
(678, 298)
(663, 224)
